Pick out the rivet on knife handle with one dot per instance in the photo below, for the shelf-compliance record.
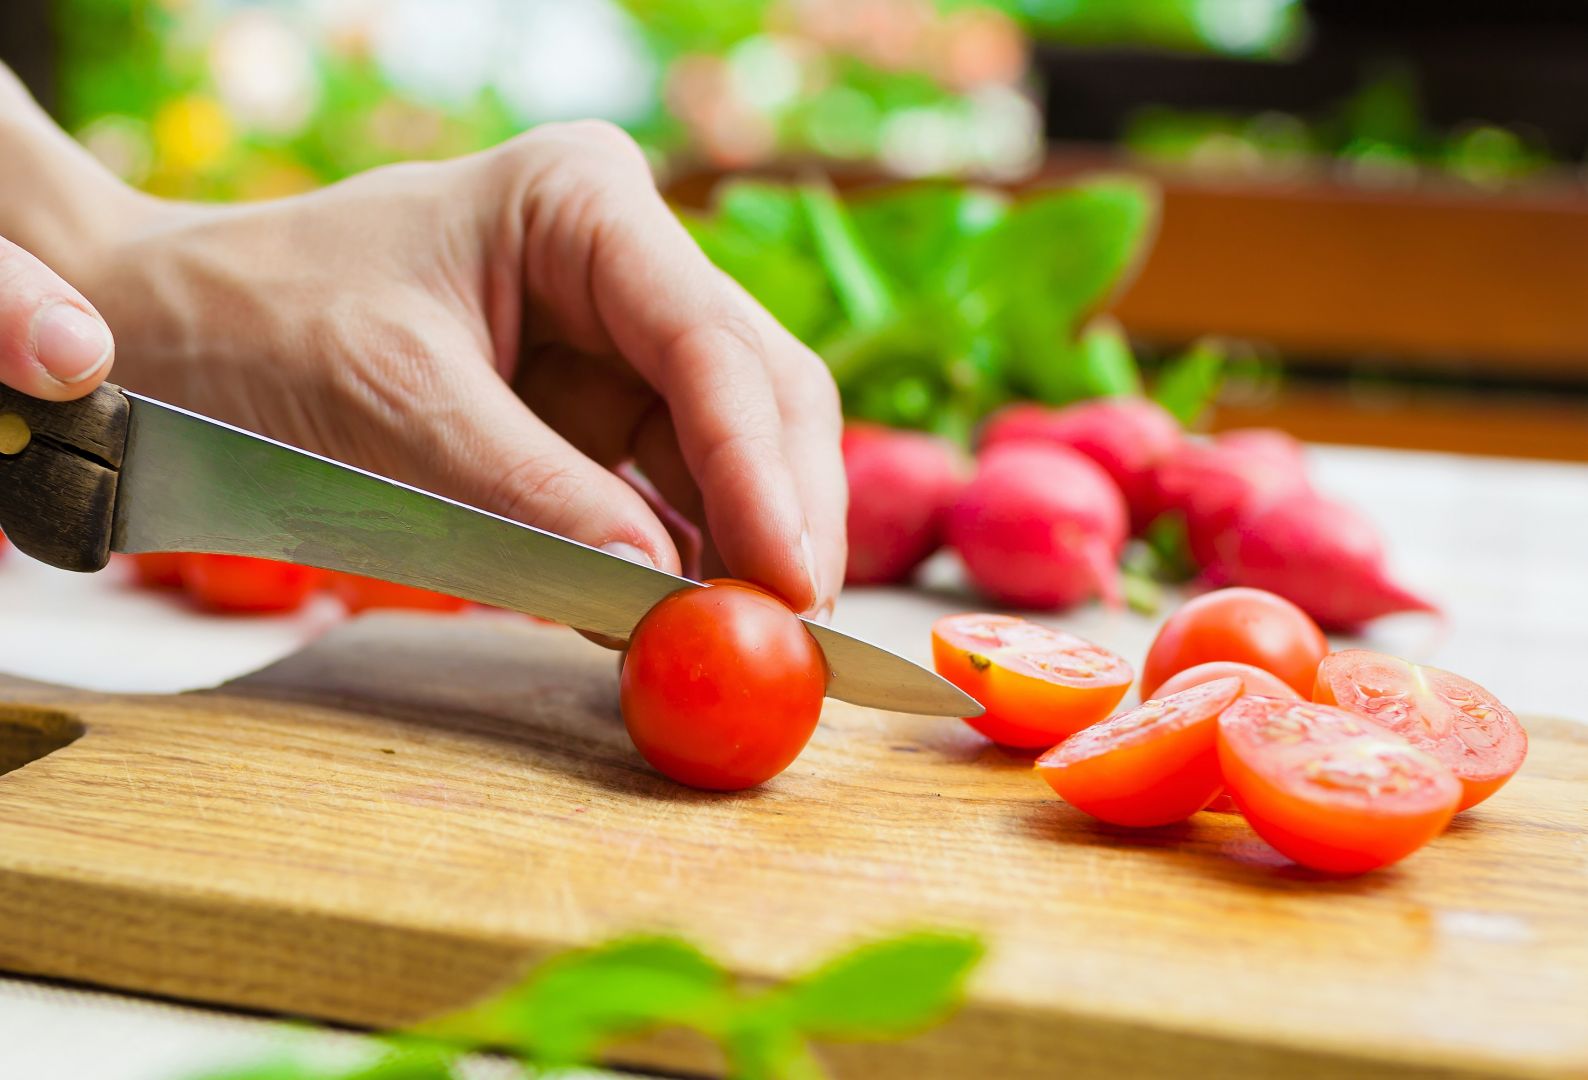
(58, 465)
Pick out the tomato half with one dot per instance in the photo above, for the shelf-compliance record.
(157, 569)
(1254, 680)
(1246, 625)
(1330, 789)
(1152, 765)
(1037, 684)
(1454, 719)
(722, 686)
(241, 585)
(360, 594)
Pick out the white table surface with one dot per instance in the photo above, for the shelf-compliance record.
(1503, 545)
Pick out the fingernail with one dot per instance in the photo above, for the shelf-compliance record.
(70, 343)
(628, 553)
(808, 553)
(823, 614)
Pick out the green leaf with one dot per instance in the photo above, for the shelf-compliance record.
(1104, 364)
(1051, 260)
(919, 233)
(574, 1004)
(786, 278)
(1167, 549)
(883, 990)
(1188, 383)
(863, 292)
(763, 212)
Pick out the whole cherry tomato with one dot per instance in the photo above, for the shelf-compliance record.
(1246, 625)
(1254, 680)
(157, 569)
(1151, 765)
(1329, 789)
(360, 594)
(242, 585)
(1454, 719)
(1038, 685)
(722, 686)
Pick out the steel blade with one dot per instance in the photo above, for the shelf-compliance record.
(189, 483)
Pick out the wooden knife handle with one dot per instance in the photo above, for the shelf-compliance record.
(58, 469)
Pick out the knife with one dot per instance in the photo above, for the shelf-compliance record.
(116, 471)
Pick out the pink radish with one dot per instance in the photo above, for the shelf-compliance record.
(1040, 527)
(901, 484)
(1321, 555)
(1127, 436)
(1212, 484)
(1277, 446)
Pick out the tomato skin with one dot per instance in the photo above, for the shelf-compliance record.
(1328, 789)
(721, 686)
(1038, 685)
(157, 569)
(359, 594)
(1152, 765)
(237, 584)
(1452, 718)
(1254, 680)
(1249, 626)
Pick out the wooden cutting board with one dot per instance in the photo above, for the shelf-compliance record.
(403, 817)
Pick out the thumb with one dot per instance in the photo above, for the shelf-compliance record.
(53, 344)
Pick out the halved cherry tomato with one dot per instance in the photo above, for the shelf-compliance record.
(1246, 625)
(242, 585)
(1254, 680)
(1330, 789)
(1454, 719)
(368, 594)
(1038, 685)
(1155, 764)
(722, 686)
(157, 569)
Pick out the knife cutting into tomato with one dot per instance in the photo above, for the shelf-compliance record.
(119, 472)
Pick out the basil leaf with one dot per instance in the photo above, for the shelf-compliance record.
(883, 990)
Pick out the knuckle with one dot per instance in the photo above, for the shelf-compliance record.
(539, 492)
(726, 342)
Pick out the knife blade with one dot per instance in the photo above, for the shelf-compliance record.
(189, 483)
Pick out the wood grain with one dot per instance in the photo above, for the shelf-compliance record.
(401, 818)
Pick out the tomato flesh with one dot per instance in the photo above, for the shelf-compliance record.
(359, 594)
(238, 584)
(1454, 719)
(1254, 680)
(1152, 765)
(722, 686)
(1037, 684)
(1249, 626)
(1329, 789)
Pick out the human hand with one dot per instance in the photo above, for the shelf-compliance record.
(53, 344)
(506, 329)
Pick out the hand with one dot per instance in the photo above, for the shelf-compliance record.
(53, 344)
(506, 329)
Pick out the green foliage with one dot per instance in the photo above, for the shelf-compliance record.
(935, 303)
(1187, 383)
(574, 1006)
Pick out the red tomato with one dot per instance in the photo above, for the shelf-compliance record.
(1254, 680)
(1246, 625)
(369, 594)
(722, 686)
(1037, 685)
(1454, 719)
(242, 585)
(1329, 789)
(1155, 764)
(158, 569)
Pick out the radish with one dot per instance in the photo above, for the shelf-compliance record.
(1040, 527)
(1213, 484)
(1277, 446)
(1127, 436)
(1321, 555)
(901, 484)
